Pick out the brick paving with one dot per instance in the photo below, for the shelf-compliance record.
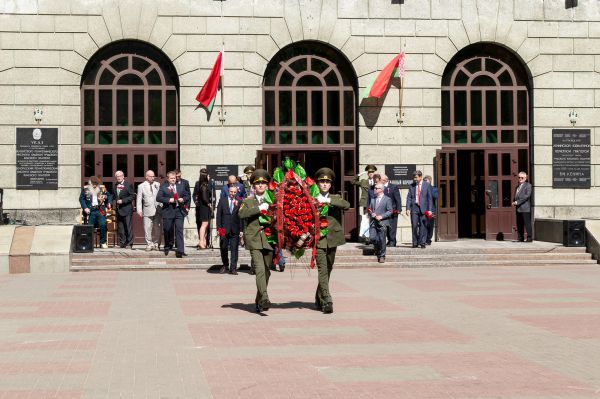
(472, 333)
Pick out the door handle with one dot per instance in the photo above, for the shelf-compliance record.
(489, 194)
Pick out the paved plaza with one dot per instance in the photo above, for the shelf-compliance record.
(480, 332)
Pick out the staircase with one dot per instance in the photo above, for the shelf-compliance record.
(462, 253)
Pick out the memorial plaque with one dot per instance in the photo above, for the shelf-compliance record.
(220, 173)
(571, 158)
(400, 174)
(37, 158)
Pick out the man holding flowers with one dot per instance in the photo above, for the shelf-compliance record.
(328, 243)
(255, 211)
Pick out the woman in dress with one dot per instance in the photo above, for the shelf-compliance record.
(203, 206)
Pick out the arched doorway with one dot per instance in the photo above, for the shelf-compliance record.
(486, 139)
(129, 113)
(309, 115)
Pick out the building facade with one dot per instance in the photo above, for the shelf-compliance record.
(486, 82)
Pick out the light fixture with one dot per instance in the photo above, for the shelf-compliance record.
(38, 115)
(573, 117)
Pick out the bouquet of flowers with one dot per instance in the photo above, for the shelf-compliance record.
(297, 217)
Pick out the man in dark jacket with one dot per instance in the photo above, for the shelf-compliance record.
(229, 227)
(392, 191)
(174, 198)
(124, 196)
(419, 206)
(522, 204)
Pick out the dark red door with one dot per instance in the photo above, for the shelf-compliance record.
(500, 174)
(446, 161)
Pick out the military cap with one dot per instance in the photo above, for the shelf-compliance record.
(260, 175)
(370, 168)
(324, 174)
(249, 169)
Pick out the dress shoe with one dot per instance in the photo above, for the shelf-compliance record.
(281, 268)
(428, 243)
(123, 245)
(178, 255)
(328, 308)
(266, 304)
(318, 304)
(529, 240)
(380, 260)
(423, 246)
(223, 270)
(414, 246)
(104, 246)
(184, 254)
(131, 246)
(252, 271)
(234, 272)
(166, 252)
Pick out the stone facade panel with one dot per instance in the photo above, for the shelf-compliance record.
(558, 80)
(573, 62)
(341, 33)
(37, 23)
(70, 175)
(32, 95)
(516, 35)
(540, 65)
(293, 19)
(542, 29)
(586, 46)
(280, 32)
(187, 62)
(69, 135)
(254, 63)
(528, 9)
(556, 46)
(19, 41)
(221, 26)
(175, 46)
(8, 23)
(431, 27)
(585, 80)
(352, 8)
(573, 98)
(191, 25)
(148, 16)
(69, 155)
(547, 196)
(71, 61)
(366, 27)
(36, 58)
(378, 45)
(434, 64)
(573, 29)
(432, 98)
(268, 8)
(384, 9)
(310, 12)
(445, 9)
(354, 47)
(73, 24)
(416, 10)
(174, 7)
(400, 136)
(505, 20)
(488, 18)
(255, 26)
(470, 19)
(402, 27)
(327, 20)
(252, 135)
(543, 98)
(529, 49)
(162, 30)
(418, 45)
(445, 49)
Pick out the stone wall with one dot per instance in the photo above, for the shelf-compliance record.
(45, 44)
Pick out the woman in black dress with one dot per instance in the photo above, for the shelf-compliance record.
(201, 197)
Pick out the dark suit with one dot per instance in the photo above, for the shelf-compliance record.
(418, 219)
(523, 208)
(186, 184)
(229, 220)
(173, 213)
(392, 192)
(124, 212)
(377, 232)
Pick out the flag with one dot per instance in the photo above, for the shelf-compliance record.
(208, 93)
(380, 84)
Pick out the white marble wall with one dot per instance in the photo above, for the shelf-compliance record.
(45, 44)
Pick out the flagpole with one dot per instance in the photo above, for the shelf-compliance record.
(400, 99)
(222, 80)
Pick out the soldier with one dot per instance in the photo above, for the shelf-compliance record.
(95, 202)
(327, 245)
(255, 238)
(248, 170)
(365, 185)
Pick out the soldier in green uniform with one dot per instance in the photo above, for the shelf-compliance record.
(326, 247)
(255, 238)
(364, 185)
(248, 170)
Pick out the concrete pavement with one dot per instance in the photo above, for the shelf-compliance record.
(504, 332)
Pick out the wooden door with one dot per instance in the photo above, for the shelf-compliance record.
(500, 184)
(446, 162)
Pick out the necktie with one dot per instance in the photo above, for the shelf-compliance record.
(418, 194)
(173, 188)
(519, 188)
(377, 201)
(230, 205)
(152, 188)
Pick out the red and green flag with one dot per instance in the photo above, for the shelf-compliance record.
(208, 93)
(380, 84)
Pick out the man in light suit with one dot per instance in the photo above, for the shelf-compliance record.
(419, 206)
(174, 198)
(391, 190)
(522, 204)
(124, 195)
(380, 209)
(229, 227)
(150, 211)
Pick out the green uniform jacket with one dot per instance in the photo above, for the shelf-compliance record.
(364, 190)
(254, 237)
(335, 236)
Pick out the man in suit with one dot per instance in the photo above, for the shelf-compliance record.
(174, 198)
(431, 222)
(365, 185)
(150, 211)
(255, 238)
(419, 206)
(380, 209)
(95, 203)
(232, 180)
(186, 183)
(522, 204)
(229, 228)
(392, 191)
(327, 246)
(124, 196)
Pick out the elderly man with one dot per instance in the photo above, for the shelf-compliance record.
(380, 209)
(95, 203)
(392, 191)
(124, 195)
(522, 205)
(232, 181)
(150, 211)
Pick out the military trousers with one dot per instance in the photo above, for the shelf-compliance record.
(325, 259)
(262, 259)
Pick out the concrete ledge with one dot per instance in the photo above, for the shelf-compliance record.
(6, 238)
(50, 249)
(18, 260)
(593, 237)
